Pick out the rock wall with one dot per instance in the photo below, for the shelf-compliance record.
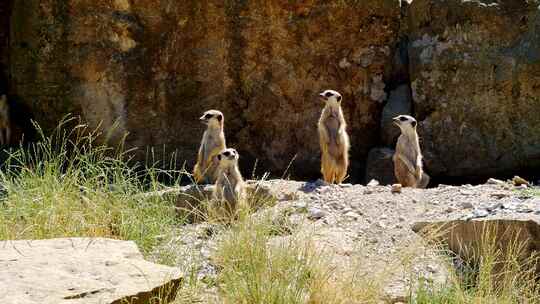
(475, 77)
(5, 10)
(150, 68)
(154, 66)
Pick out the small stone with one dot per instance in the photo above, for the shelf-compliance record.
(450, 209)
(345, 185)
(291, 196)
(524, 186)
(344, 63)
(494, 181)
(509, 206)
(352, 214)
(518, 181)
(494, 207)
(499, 195)
(478, 213)
(396, 188)
(368, 191)
(401, 219)
(467, 205)
(316, 214)
(383, 217)
(301, 206)
(523, 209)
(431, 268)
(373, 183)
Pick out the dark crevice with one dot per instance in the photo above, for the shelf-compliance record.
(6, 7)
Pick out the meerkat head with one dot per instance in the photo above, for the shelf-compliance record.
(405, 122)
(331, 97)
(212, 118)
(228, 157)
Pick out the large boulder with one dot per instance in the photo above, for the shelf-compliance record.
(472, 240)
(475, 77)
(399, 103)
(151, 68)
(80, 270)
(380, 166)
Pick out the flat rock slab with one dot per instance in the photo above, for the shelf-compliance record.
(469, 238)
(81, 270)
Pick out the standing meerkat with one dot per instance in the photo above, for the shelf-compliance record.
(5, 124)
(230, 185)
(333, 138)
(408, 157)
(213, 142)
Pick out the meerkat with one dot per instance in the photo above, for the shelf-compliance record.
(230, 185)
(5, 124)
(333, 138)
(408, 157)
(213, 142)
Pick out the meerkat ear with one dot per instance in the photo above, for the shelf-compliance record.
(413, 123)
(219, 117)
(339, 98)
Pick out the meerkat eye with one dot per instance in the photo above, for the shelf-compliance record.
(208, 116)
(328, 94)
(402, 118)
(226, 153)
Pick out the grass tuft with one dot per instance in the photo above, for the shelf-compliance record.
(69, 185)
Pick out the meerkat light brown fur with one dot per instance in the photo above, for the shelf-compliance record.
(230, 187)
(333, 138)
(5, 124)
(213, 142)
(408, 157)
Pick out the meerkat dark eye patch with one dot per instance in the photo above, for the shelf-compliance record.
(402, 118)
(208, 116)
(227, 153)
(328, 94)
(413, 123)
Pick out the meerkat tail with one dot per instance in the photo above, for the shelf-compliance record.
(424, 181)
(341, 173)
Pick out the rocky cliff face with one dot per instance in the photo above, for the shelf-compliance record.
(150, 68)
(475, 77)
(5, 10)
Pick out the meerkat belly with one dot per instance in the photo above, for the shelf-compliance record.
(229, 193)
(403, 173)
(332, 125)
